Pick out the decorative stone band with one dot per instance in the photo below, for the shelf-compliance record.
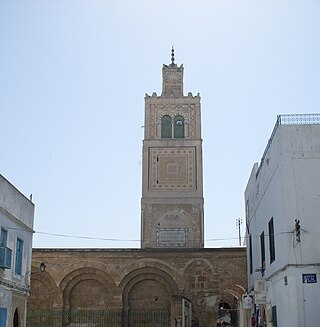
(10, 285)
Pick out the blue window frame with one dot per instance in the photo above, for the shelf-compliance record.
(3, 317)
(3, 237)
(19, 256)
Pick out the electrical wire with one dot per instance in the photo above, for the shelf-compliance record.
(85, 237)
(136, 240)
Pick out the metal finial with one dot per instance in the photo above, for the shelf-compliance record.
(172, 57)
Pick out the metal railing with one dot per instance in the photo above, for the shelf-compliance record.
(299, 119)
(292, 119)
(97, 318)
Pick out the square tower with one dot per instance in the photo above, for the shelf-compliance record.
(172, 186)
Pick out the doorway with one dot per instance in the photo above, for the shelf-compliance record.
(16, 322)
(227, 316)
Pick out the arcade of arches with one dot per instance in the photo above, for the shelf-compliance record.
(137, 279)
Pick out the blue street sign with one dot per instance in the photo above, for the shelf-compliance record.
(309, 278)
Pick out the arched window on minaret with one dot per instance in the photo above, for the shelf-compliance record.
(178, 127)
(166, 127)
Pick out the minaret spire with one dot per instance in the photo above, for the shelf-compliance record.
(172, 58)
(172, 78)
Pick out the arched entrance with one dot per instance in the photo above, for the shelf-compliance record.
(227, 315)
(16, 320)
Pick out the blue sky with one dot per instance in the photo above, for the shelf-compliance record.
(73, 75)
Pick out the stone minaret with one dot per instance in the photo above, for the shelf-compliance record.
(172, 187)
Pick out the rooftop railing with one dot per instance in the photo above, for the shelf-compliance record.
(294, 119)
(299, 119)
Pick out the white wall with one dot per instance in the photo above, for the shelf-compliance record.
(16, 216)
(15, 203)
(288, 188)
(297, 303)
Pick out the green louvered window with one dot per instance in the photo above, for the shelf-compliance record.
(178, 127)
(166, 127)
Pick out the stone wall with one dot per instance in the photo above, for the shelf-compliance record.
(139, 279)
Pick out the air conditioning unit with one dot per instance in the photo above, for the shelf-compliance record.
(5, 257)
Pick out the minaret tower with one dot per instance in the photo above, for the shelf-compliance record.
(172, 187)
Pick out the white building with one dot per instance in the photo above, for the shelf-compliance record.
(283, 225)
(16, 230)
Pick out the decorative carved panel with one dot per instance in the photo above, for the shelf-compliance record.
(172, 169)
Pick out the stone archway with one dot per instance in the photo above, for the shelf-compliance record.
(44, 294)
(89, 294)
(88, 298)
(226, 316)
(147, 297)
(202, 289)
(88, 288)
(154, 275)
(228, 306)
(149, 294)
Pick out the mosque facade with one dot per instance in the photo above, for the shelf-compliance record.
(172, 280)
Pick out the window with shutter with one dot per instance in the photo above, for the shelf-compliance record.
(166, 127)
(3, 317)
(263, 253)
(272, 247)
(178, 127)
(3, 237)
(19, 255)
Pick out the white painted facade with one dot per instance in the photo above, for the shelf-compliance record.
(16, 231)
(285, 187)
